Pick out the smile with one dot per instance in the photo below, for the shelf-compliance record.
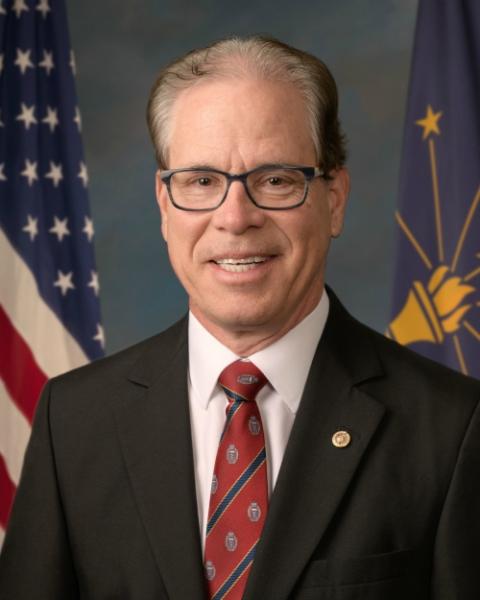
(238, 265)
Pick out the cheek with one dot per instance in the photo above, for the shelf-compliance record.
(311, 234)
(185, 232)
(180, 257)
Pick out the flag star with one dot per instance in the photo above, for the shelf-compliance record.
(78, 118)
(88, 229)
(430, 122)
(19, 6)
(30, 171)
(55, 173)
(43, 7)
(27, 115)
(94, 283)
(72, 63)
(60, 228)
(47, 62)
(23, 61)
(83, 174)
(3, 177)
(31, 227)
(64, 282)
(100, 336)
(51, 118)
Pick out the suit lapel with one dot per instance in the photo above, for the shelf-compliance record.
(315, 474)
(154, 430)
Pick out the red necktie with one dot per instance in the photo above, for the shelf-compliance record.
(239, 494)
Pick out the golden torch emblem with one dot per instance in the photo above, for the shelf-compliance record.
(430, 313)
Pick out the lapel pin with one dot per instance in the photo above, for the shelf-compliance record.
(341, 439)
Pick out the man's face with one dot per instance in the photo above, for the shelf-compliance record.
(234, 126)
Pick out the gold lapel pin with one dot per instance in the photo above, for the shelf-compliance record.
(341, 439)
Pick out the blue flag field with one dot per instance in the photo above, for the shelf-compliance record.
(436, 299)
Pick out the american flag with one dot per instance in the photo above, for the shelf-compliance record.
(49, 307)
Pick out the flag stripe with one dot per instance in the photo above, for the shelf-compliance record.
(14, 434)
(49, 310)
(54, 348)
(16, 359)
(8, 492)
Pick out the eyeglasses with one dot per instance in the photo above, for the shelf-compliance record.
(272, 187)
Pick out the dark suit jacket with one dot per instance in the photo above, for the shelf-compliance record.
(106, 507)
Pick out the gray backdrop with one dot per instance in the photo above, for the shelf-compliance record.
(119, 47)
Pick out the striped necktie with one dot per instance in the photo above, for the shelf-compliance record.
(239, 493)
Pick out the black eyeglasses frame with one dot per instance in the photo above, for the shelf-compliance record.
(310, 173)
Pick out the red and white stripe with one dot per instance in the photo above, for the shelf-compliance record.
(34, 346)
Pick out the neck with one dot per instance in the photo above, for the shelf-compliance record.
(245, 341)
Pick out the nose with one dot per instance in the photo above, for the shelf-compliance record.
(238, 213)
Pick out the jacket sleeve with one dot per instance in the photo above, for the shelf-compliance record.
(456, 563)
(36, 559)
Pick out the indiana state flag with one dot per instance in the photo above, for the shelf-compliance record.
(436, 303)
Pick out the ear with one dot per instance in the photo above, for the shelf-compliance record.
(162, 201)
(338, 190)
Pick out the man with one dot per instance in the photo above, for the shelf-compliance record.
(362, 471)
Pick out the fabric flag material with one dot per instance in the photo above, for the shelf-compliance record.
(436, 304)
(49, 307)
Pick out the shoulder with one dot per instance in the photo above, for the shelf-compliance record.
(106, 377)
(431, 400)
(409, 370)
(398, 377)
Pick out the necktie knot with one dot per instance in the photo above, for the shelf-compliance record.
(242, 380)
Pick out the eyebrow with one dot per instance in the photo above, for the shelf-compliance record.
(200, 167)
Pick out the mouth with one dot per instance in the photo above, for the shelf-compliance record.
(240, 265)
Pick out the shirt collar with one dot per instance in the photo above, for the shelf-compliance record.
(285, 363)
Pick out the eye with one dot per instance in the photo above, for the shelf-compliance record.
(278, 180)
(202, 179)
(275, 180)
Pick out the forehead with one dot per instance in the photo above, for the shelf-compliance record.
(245, 119)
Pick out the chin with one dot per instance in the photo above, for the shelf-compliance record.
(240, 318)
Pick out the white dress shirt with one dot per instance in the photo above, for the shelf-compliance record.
(285, 363)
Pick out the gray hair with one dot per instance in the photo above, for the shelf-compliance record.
(263, 58)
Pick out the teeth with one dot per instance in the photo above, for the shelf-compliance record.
(237, 268)
(241, 261)
(239, 265)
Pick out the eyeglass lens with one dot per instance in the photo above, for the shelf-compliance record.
(272, 187)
